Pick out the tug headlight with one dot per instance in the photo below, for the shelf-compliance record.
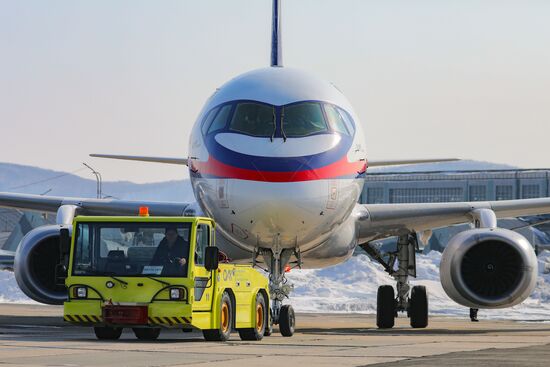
(176, 293)
(80, 292)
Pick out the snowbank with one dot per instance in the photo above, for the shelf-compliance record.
(9, 290)
(351, 287)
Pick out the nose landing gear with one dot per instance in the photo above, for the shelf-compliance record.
(283, 315)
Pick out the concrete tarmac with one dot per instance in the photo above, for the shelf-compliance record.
(32, 335)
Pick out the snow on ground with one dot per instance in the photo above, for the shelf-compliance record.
(9, 290)
(351, 287)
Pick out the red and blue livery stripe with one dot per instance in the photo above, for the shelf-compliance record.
(226, 163)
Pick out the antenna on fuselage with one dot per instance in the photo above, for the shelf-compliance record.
(276, 54)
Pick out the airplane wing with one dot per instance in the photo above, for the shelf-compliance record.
(89, 206)
(182, 161)
(409, 161)
(384, 220)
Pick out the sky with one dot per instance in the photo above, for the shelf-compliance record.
(428, 78)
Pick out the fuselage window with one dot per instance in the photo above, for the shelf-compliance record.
(335, 121)
(208, 120)
(303, 119)
(348, 120)
(253, 119)
(221, 119)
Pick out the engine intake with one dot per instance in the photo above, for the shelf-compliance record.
(35, 263)
(488, 268)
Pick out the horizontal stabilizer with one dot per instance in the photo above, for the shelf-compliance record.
(410, 161)
(182, 161)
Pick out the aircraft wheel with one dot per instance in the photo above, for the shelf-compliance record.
(269, 326)
(107, 333)
(226, 322)
(385, 307)
(418, 307)
(261, 317)
(146, 334)
(287, 320)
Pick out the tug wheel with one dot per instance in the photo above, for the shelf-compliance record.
(226, 322)
(260, 322)
(107, 333)
(146, 334)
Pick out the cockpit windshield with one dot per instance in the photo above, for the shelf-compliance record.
(303, 119)
(254, 119)
(131, 249)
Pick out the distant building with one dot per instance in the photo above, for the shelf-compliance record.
(14, 224)
(478, 185)
(436, 187)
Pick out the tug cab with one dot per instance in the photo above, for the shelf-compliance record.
(151, 273)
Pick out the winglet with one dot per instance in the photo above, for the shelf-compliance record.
(165, 160)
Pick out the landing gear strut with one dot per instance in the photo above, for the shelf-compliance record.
(413, 301)
(276, 260)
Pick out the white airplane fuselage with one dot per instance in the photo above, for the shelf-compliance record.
(280, 187)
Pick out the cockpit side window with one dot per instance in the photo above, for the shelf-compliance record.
(335, 121)
(348, 120)
(253, 119)
(303, 119)
(208, 120)
(221, 119)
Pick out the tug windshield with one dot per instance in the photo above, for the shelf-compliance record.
(131, 249)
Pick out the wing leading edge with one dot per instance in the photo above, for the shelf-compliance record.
(166, 160)
(89, 206)
(383, 220)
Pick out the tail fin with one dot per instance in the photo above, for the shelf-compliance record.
(276, 54)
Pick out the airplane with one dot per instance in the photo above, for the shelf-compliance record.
(278, 158)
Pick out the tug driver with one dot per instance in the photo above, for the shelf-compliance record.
(172, 253)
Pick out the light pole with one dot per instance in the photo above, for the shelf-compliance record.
(98, 179)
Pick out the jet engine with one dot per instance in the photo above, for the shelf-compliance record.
(488, 268)
(38, 265)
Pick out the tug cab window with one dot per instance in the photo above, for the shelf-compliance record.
(335, 120)
(303, 119)
(253, 119)
(131, 249)
(203, 241)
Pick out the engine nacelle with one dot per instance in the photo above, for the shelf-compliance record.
(35, 265)
(488, 268)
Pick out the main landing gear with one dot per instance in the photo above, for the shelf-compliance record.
(412, 300)
(277, 260)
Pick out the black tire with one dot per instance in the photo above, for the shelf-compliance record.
(258, 331)
(418, 307)
(385, 307)
(146, 333)
(107, 333)
(226, 322)
(287, 320)
(269, 326)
